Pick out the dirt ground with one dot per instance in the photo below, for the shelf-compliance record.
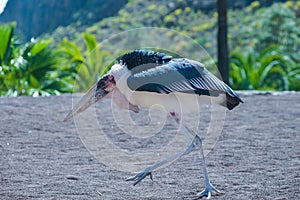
(257, 155)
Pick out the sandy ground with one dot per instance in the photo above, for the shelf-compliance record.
(257, 155)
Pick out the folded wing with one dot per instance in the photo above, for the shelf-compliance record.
(182, 75)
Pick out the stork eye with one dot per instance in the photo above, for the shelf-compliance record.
(101, 84)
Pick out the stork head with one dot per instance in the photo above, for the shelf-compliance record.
(101, 89)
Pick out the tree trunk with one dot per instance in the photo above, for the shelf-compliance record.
(223, 59)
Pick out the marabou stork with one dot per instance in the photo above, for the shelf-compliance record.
(145, 78)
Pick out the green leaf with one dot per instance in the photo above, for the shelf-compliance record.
(90, 41)
(33, 82)
(39, 46)
(6, 34)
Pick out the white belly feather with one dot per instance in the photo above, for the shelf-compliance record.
(172, 102)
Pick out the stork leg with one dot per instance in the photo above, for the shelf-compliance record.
(209, 188)
(148, 170)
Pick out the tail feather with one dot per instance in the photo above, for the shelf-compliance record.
(232, 101)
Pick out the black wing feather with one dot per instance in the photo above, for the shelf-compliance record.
(182, 75)
(138, 58)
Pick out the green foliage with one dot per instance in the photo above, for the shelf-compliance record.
(6, 33)
(276, 25)
(266, 47)
(177, 15)
(268, 70)
(294, 79)
(38, 68)
(253, 27)
(86, 66)
(29, 69)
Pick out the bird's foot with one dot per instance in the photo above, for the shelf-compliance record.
(207, 192)
(140, 176)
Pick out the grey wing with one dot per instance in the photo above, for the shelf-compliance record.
(183, 75)
(179, 75)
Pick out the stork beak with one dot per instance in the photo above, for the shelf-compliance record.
(98, 91)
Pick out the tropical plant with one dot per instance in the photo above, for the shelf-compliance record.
(86, 65)
(294, 79)
(261, 27)
(269, 70)
(29, 69)
(6, 33)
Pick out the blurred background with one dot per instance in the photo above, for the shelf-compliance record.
(44, 43)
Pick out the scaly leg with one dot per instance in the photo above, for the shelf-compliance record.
(148, 170)
(209, 188)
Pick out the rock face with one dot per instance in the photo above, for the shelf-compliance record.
(35, 17)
